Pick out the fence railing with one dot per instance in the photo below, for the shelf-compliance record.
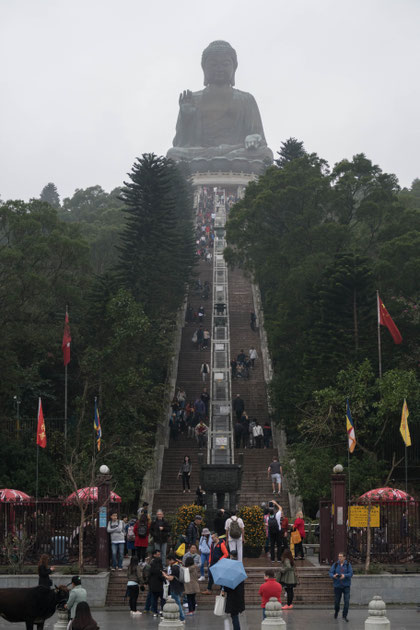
(396, 540)
(52, 527)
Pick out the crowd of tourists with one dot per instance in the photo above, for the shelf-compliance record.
(162, 563)
(189, 418)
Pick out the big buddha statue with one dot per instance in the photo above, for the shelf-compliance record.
(219, 128)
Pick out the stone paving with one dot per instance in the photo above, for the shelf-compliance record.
(297, 619)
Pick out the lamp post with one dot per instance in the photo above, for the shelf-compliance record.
(339, 507)
(102, 543)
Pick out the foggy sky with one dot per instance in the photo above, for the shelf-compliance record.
(88, 85)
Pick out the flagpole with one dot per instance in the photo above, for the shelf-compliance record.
(348, 466)
(379, 336)
(65, 396)
(36, 490)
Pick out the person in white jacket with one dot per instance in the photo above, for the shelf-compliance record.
(235, 542)
(253, 355)
(116, 529)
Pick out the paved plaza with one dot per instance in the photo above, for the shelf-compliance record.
(296, 619)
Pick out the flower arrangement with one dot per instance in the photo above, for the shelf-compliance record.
(252, 517)
(185, 514)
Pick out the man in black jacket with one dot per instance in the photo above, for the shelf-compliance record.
(238, 406)
(193, 532)
(176, 587)
(156, 580)
(160, 529)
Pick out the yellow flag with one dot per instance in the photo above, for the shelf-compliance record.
(404, 430)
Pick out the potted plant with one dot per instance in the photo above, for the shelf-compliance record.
(252, 517)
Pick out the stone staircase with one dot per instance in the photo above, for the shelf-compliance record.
(314, 588)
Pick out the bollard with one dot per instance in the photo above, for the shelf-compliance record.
(171, 616)
(273, 616)
(377, 619)
(63, 619)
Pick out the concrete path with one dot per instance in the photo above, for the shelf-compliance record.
(296, 619)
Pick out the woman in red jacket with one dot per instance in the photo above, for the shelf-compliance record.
(141, 531)
(299, 525)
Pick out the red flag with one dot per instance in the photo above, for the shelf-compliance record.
(41, 436)
(66, 341)
(385, 319)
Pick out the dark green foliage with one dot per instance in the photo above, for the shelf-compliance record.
(49, 194)
(290, 150)
(156, 254)
(319, 244)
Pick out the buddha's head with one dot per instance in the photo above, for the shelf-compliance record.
(219, 63)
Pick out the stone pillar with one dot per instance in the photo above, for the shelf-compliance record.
(377, 619)
(339, 507)
(170, 617)
(102, 537)
(273, 616)
(62, 621)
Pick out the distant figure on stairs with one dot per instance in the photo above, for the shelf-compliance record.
(193, 532)
(204, 371)
(253, 356)
(205, 397)
(238, 406)
(201, 432)
(276, 471)
(185, 472)
(267, 434)
(253, 321)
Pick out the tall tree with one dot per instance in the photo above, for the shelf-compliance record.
(49, 194)
(156, 254)
(290, 150)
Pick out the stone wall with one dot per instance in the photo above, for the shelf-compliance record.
(95, 585)
(394, 589)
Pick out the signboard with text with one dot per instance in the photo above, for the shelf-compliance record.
(358, 515)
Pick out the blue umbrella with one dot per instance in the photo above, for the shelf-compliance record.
(228, 573)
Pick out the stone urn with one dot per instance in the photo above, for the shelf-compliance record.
(377, 615)
(170, 617)
(273, 615)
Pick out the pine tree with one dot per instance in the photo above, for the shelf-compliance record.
(156, 254)
(290, 150)
(50, 195)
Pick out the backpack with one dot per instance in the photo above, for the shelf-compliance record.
(273, 526)
(235, 530)
(142, 527)
(131, 537)
(146, 573)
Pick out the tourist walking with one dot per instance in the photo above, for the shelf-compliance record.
(205, 397)
(156, 582)
(235, 601)
(185, 472)
(130, 536)
(341, 572)
(274, 532)
(173, 575)
(235, 533)
(204, 548)
(217, 552)
(287, 576)
(253, 321)
(192, 587)
(237, 429)
(275, 470)
(44, 571)
(77, 594)
(160, 531)
(201, 434)
(141, 530)
(298, 526)
(253, 356)
(204, 371)
(83, 619)
(238, 406)
(116, 529)
(134, 580)
(258, 434)
(269, 588)
(219, 523)
(193, 532)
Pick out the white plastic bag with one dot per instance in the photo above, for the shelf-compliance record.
(186, 577)
(219, 605)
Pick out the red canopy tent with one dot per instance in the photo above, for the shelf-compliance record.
(8, 495)
(385, 494)
(91, 495)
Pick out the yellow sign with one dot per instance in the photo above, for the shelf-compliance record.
(358, 516)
